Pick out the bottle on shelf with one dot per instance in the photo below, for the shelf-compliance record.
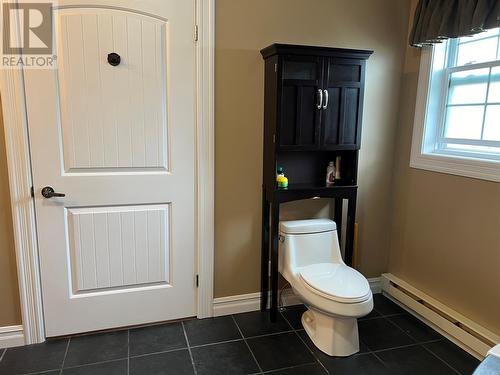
(330, 174)
(281, 179)
(337, 168)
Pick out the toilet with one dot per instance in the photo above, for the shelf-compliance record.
(336, 295)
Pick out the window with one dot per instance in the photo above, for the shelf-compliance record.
(457, 120)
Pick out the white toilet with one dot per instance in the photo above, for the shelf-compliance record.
(335, 294)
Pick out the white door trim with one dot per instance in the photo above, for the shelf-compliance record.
(205, 159)
(20, 179)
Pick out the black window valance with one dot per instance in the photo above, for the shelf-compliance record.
(436, 20)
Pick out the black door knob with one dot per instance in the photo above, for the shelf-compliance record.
(114, 59)
(48, 192)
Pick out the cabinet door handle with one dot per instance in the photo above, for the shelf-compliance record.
(326, 99)
(320, 99)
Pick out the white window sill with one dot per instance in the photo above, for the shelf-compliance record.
(460, 166)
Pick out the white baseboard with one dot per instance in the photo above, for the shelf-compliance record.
(11, 336)
(236, 304)
(375, 285)
(464, 332)
(251, 302)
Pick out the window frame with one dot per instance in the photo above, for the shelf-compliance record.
(428, 127)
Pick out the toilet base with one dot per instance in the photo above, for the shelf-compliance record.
(332, 335)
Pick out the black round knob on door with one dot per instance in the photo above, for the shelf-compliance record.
(114, 59)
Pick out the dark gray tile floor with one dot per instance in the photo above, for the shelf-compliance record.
(391, 342)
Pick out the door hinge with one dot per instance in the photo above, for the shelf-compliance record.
(32, 192)
(276, 67)
(195, 33)
(197, 281)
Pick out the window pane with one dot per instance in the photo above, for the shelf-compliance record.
(475, 37)
(464, 122)
(468, 87)
(492, 123)
(494, 93)
(476, 52)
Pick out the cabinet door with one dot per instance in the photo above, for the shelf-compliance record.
(341, 117)
(300, 115)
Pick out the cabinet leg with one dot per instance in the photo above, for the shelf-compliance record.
(275, 213)
(338, 217)
(351, 220)
(264, 267)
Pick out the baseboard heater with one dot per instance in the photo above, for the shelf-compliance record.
(469, 335)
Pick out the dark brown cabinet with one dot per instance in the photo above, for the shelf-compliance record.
(312, 115)
(320, 98)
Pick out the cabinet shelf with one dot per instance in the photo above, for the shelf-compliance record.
(311, 191)
(306, 187)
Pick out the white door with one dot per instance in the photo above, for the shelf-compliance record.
(119, 141)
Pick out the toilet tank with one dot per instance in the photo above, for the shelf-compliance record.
(304, 242)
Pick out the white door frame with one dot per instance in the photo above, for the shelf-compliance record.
(20, 179)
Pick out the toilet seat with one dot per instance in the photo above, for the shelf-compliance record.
(336, 282)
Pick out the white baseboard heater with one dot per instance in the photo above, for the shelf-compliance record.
(469, 335)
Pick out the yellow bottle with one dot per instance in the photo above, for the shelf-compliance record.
(281, 179)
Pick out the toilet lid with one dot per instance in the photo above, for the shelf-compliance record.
(336, 281)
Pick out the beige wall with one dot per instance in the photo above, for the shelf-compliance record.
(446, 229)
(242, 29)
(445, 238)
(10, 313)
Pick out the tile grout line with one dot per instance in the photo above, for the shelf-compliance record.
(381, 316)
(189, 348)
(3, 353)
(401, 329)
(65, 355)
(40, 372)
(413, 338)
(385, 317)
(270, 372)
(248, 346)
(271, 334)
(160, 352)
(215, 343)
(307, 346)
(82, 365)
(401, 346)
(128, 351)
(441, 359)
(379, 359)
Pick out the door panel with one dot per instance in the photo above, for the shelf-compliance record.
(119, 141)
(344, 72)
(350, 107)
(331, 117)
(117, 110)
(301, 69)
(302, 76)
(116, 247)
(341, 119)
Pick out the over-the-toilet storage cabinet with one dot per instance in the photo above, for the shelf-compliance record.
(312, 114)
